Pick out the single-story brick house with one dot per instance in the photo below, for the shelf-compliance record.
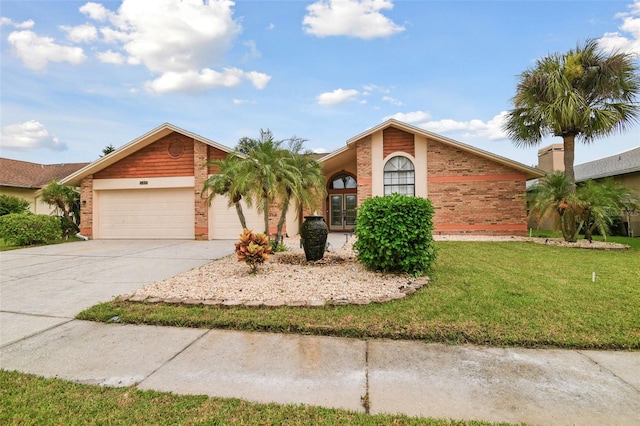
(26, 180)
(152, 186)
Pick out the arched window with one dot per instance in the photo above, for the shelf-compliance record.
(343, 181)
(399, 176)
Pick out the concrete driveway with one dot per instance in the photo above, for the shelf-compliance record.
(42, 287)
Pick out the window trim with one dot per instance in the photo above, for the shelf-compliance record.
(387, 160)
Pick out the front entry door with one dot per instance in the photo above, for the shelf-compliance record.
(343, 212)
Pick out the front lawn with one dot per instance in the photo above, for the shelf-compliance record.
(29, 400)
(487, 293)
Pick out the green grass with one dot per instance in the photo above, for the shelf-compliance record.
(6, 247)
(487, 293)
(29, 400)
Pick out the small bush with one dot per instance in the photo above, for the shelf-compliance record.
(394, 234)
(253, 249)
(23, 229)
(12, 204)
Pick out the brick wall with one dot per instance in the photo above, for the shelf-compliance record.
(474, 195)
(86, 206)
(200, 172)
(214, 153)
(168, 157)
(363, 168)
(395, 140)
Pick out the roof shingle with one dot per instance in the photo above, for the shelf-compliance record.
(619, 164)
(22, 174)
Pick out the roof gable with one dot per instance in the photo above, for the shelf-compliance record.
(134, 146)
(531, 172)
(23, 174)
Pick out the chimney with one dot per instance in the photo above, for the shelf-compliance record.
(551, 158)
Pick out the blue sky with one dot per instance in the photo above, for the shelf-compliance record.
(78, 76)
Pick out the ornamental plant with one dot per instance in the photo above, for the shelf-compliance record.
(394, 234)
(253, 249)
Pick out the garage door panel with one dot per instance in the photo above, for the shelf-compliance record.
(146, 213)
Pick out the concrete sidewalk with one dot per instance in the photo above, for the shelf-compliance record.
(39, 335)
(551, 387)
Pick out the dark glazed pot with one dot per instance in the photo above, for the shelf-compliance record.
(314, 237)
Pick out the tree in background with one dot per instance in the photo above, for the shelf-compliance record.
(107, 150)
(583, 94)
(66, 199)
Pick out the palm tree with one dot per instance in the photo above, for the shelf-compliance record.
(261, 163)
(229, 181)
(66, 200)
(583, 94)
(301, 180)
(600, 203)
(554, 195)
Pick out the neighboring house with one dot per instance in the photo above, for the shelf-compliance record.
(25, 180)
(152, 186)
(624, 168)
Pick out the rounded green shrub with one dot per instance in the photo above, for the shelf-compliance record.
(12, 204)
(394, 234)
(23, 229)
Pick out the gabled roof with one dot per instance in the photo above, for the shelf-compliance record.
(133, 146)
(23, 174)
(619, 164)
(531, 172)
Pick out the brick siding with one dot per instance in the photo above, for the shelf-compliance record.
(200, 172)
(396, 140)
(363, 168)
(474, 195)
(86, 206)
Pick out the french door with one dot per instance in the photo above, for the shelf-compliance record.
(342, 212)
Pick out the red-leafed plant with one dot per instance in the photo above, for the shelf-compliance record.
(253, 249)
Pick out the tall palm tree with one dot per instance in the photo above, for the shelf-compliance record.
(302, 180)
(231, 182)
(583, 94)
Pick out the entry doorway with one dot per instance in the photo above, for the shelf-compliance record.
(342, 211)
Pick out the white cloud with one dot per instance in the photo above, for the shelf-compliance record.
(474, 128)
(37, 51)
(410, 117)
(170, 36)
(242, 101)
(180, 42)
(613, 41)
(354, 18)
(20, 25)
(338, 96)
(96, 11)
(196, 81)
(271, 26)
(391, 100)
(27, 136)
(81, 33)
(111, 57)
(253, 50)
(258, 79)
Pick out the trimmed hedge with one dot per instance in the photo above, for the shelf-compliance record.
(394, 234)
(23, 229)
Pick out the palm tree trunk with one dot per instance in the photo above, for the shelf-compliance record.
(265, 207)
(569, 154)
(243, 221)
(283, 216)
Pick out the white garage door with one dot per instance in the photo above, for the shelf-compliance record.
(224, 223)
(146, 213)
